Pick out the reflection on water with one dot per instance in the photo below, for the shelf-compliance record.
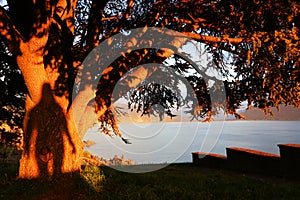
(174, 142)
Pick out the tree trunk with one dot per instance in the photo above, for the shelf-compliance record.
(52, 146)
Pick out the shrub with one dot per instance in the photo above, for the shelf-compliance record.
(93, 176)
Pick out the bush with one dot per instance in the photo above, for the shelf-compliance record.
(94, 177)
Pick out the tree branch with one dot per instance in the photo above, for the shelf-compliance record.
(81, 101)
(207, 38)
(9, 32)
(95, 25)
(128, 12)
(124, 16)
(65, 13)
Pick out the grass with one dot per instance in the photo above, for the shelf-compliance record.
(185, 181)
(177, 181)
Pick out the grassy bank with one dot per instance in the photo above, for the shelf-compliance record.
(180, 181)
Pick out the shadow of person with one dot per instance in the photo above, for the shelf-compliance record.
(45, 135)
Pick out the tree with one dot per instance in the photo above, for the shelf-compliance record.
(49, 40)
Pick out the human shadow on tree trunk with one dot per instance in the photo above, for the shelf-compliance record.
(46, 133)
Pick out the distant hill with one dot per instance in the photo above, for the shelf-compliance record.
(285, 113)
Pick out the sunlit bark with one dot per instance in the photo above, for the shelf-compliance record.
(52, 143)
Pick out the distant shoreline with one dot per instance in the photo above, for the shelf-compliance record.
(226, 120)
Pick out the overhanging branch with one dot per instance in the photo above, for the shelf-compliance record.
(224, 39)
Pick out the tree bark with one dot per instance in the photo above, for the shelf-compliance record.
(52, 146)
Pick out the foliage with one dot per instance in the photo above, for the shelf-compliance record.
(94, 176)
(9, 158)
(13, 89)
(254, 44)
(147, 98)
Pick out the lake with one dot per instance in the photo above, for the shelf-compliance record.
(173, 142)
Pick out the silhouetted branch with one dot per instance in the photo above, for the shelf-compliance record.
(95, 26)
(9, 32)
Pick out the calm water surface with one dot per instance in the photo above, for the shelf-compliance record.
(174, 142)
